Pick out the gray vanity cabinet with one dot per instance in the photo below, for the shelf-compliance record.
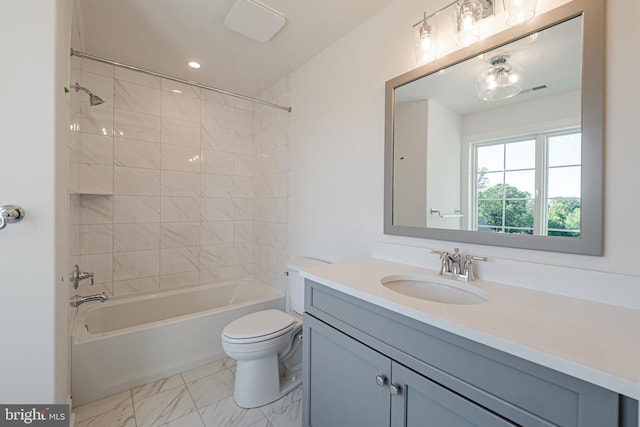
(343, 379)
(352, 385)
(368, 366)
(420, 402)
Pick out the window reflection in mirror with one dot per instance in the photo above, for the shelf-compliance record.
(528, 185)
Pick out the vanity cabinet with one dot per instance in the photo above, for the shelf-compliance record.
(368, 366)
(354, 385)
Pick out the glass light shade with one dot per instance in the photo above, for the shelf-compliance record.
(519, 11)
(466, 22)
(500, 81)
(425, 42)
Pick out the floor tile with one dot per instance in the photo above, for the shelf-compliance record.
(231, 364)
(101, 406)
(118, 417)
(286, 412)
(191, 420)
(164, 407)
(152, 389)
(262, 423)
(225, 413)
(172, 402)
(212, 388)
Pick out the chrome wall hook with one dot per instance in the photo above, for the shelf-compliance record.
(10, 214)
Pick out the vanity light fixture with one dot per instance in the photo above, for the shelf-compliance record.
(466, 25)
(501, 80)
(519, 11)
(425, 41)
(466, 18)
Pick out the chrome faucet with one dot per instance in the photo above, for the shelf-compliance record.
(77, 300)
(453, 264)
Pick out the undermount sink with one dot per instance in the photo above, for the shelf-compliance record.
(435, 289)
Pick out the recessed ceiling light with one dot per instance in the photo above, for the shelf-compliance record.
(193, 64)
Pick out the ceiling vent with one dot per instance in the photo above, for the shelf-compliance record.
(254, 20)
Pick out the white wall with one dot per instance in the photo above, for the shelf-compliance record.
(443, 166)
(547, 113)
(338, 106)
(409, 159)
(34, 41)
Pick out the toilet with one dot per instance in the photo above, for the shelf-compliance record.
(267, 345)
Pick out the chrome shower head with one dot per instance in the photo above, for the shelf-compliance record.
(93, 99)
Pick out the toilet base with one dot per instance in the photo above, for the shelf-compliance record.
(258, 382)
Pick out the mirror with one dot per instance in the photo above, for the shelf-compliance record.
(501, 144)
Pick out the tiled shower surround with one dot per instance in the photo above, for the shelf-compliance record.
(173, 185)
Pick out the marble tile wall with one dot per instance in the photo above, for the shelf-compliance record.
(273, 186)
(173, 185)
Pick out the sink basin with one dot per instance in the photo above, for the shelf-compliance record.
(435, 289)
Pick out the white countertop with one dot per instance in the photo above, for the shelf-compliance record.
(595, 342)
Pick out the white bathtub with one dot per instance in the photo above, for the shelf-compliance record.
(128, 342)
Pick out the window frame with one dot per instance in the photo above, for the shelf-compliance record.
(541, 171)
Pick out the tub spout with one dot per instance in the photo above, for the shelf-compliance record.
(77, 300)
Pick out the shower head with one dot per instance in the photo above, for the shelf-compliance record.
(93, 99)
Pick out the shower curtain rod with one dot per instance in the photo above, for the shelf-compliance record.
(175, 79)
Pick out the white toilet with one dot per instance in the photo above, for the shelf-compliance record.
(266, 345)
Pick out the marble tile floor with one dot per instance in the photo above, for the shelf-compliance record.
(200, 397)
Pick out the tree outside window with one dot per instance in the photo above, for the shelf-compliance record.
(523, 187)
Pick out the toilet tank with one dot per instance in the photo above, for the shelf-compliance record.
(295, 283)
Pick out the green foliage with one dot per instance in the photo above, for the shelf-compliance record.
(518, 208)
(564, 214)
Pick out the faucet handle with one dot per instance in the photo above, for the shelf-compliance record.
(468, 266)
(86, 275)
(76, 276)
(444, 261)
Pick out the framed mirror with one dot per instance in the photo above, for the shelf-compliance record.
(501, 143)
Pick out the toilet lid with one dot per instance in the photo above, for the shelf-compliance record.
(260, 324)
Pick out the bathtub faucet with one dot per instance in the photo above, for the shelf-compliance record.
(77, 300)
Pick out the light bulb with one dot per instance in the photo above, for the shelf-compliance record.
(465, 21)
(425, 43)
(502, 80)
(519, 11)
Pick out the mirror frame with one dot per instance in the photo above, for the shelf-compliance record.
(590, 241)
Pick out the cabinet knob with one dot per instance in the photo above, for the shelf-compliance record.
(395, 389)
(381, 380)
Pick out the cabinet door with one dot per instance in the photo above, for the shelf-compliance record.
(340, 375)
(420, 402)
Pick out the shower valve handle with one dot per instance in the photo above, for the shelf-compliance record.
(76, 276)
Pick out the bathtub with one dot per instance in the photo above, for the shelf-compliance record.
(128, 342)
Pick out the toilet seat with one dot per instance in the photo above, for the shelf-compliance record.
(259, 326)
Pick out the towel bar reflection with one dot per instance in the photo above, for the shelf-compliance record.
(457, 213)
(10, 214)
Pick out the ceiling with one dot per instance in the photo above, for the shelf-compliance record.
(163, 35)
(553, 59)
